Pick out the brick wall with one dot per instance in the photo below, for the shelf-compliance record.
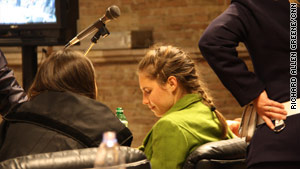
(176, 22)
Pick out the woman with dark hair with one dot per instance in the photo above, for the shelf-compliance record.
(188, 118)
(62, 112)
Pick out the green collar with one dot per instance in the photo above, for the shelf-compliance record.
(184, 102)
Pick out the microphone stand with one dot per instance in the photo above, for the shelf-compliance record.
(103, 31)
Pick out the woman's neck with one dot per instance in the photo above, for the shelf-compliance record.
(179, 94)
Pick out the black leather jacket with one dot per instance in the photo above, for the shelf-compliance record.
(56, 121)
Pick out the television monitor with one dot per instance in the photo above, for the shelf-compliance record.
(37, 22)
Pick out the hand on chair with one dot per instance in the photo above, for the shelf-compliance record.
(234, 125)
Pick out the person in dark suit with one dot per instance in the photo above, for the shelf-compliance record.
(11, 92)
(62, 112)
(264, 28)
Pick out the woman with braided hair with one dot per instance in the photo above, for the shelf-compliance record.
(171, 89)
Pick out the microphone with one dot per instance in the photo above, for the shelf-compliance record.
(111, 13)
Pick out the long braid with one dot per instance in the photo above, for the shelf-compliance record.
(223, 124)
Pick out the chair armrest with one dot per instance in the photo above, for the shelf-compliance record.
(72, 159)
(223, 152)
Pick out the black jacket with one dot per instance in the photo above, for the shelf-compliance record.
(264, 27)
(55, 121)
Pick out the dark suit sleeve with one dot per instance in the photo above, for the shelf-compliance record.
(218, 46)
(11, 92)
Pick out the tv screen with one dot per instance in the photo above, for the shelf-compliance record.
(18, 12)
(37, 22)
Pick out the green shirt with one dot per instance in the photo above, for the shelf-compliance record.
(187, 125)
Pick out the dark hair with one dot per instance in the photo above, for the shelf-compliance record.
(65, 70)
(165, 61)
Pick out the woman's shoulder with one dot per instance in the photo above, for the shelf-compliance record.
(194, 110)
(35, 139)
(185, 118)
(195, 118)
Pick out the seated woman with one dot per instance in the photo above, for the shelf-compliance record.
(171, 89)
(62, 112)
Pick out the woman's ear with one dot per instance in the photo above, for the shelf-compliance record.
(172, 83)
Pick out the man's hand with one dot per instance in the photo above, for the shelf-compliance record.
(269, 109)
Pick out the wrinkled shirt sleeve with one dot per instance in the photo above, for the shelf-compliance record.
(11, 92)
(218, 46)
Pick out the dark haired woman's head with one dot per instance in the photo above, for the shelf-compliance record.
(65, 70)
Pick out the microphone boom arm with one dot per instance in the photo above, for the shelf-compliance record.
(92, 28)
(103, 31)
(111, 13)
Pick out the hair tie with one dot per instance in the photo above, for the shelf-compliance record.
(213, 108)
